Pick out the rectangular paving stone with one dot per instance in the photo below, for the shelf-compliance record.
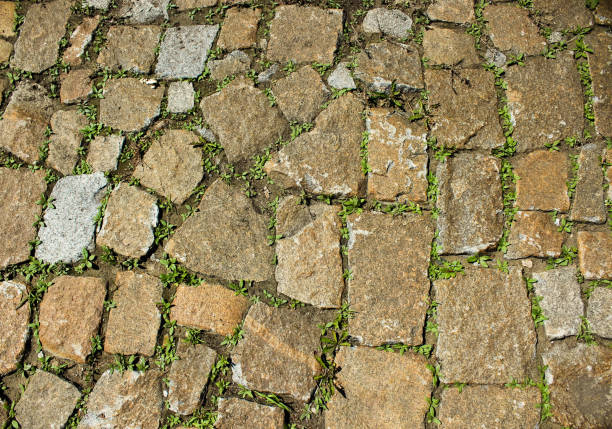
(7, 18)
(599, 66)
(65, 141)
(449, 46)
(141, 11)
(562, 15)
(534, 233)
(184, 50)
(104, 152)
(598, 312)
(595, 254)
(14, 320)
(588, 204)
(511, 29)
(234, 413)
(75, 85)
(458, 11)
(130, 48)
(239, 30)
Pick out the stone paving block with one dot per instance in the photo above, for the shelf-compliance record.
(234, 413)
(79, 39)
(143, 11)
(14, 319)
(193, 4)
(563, 15)
(390, 22)
(511, 29)
(133, 324)
(234, 63)
(458, 11)
(130, 48)
(75, 86)
(7, 18)
(239, 29)
(184, 50)
(389, 294)
(534, 233)
(97, 4)
(449, 46)
(599, 66)
(66, 126)
(376, 385)
(603, 13)
(300, 95)
(3, 413)
(180, 97)
(486, 333)
(588, 204)
(595, 254)
(598, 312)
(341, 78)
(104, 152)
(6, 49)
(292, 215)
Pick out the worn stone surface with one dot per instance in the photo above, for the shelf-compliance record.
(341, 78)
(389, 295)
(291, 216)
(6, 49)
(608, 173)
(234, 63)
(37, 47)
(595, 254)
(66, 126)
(130, 48)
(193, 4)
(545, 101)
(511, 29)
(3, 413)
(300, 95)
(180, 97)
(184, 50)
(144, 11)
(588, 204)
(390, 22)
(446, 46)
(227, 238)
(104, 152)
(561, 15)
(7, 18)
(534, 234)
(14, 319)
(599, 66)
(266, 75)
(475, 343)
(47, 402)
(375, 387)
(75, 86)
(458, 11)
(97, 4)
(239, 29)
(603, 13)
(237, 413)
(70, 314)
(69, 227)
(598, 312)
(79, 39)
(210, 307)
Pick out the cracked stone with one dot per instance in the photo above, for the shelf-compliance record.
(595, 254)
(14, 319)
(561, 15)
(234, 63)
(143, 11)
(65, 140)
(237, 413)
(391, 22)
(598, 313)
(458, 11)
(446, 46)
(534, 234)
(184, 50)
(75, 86)
(130, 48)
(341, 78)
(104, 152)
(239, 29)
(511, 29)
(599, 67)
(180, 97)
(588, 204)
(79, 39)
(300, 95)
(7, 18)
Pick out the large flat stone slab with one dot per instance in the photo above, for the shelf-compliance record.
(599, 67)
(130, 48)
(14, 319)
(236, 413)
(595, 254)
(104, 151)
(561, 15)
(184, 50)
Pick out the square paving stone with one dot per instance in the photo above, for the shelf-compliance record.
(300, 95)
(66, 126)
(79, 39)
(601, 73)
(486, 333)
(458, 11)
(588, 204)
(388, 257)
(534, 234)
(130, 48)
(180, 97)
(184, 50)
(133, 324)
(511, 29)
(379, 389)
(14, 319)
(234, 63)
(75, 85)
(239, 28)
(595, 254)
(104, 152)
(234, 413)
(599, 314)
(390, 22)
(449, 46)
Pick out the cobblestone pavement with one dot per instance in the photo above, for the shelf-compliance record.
(329, 214)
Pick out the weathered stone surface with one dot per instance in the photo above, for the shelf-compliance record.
(608, 173)
(227, 238)
(234, 63)
(326, 159)
(534, 234)
(133, 324)
(79, 39)
(188, 377)
(391, 22)
(266, 75)
(379, 64)
(495, 57)
(541, 183)
(47, 402)
(25, 120)
(172, 166)
(236, 115)
(375, 387)
(239, 28)
(389, 295)
(588, 204)
(309, 265)
(97, 4)
(291, 216)
(144, 11)
(561, 15)
(70, 314)
(598, 312)
(511, 29)
(37, 47)
(184, 50)
(603, 13)
(489, 406)
(300, 95)
(449, 47)
(130, 48)
(19, 191)
(304, 34)
(595, 254)
(341, 78)
(545, 101)
(459, 11)
(129, 104)
(180, 97)
(601, 73)
(193, 4)
(69, 227)
(104, 152)
(210, 307)
(65, 140)
(75, 86)
(237, 413)
(136, 399)
(6, 49)
(579, 377)
(14, 319)
(477, 344)
(470, 203)
(3, 411)
(7, 18)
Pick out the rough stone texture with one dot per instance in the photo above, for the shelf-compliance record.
(341, 78)
(172, 165)
(266, 75)
(598, 312)
(579, 377)
(97, 4)
(458, 11)
(300, 95)
(388, 294)
(477, 344)
(511, 29)
(70, 314)
(14, 321)
(75, 86)
(180, 97)
(376, 386)
(136, 399)
(326, 159)
(277, 353)
(188, 377)
(184, 50)
(541, 183)
(390, 22)
(291, 216)
(304, 34)
(588, 204)
(489, 406)
(6, 49)
(19, 191)
(37, 47)
(449, 47)
(210, 307)
(7, 18)
(608, 173)
(133, 324)
(47, 402)
(65, 140)
(236, 62)
(129, 104)
(69, 227)
(561, 15)
(534, 234)
(599, 65)
(79, 39)
(239, 29)
(227, 238)
(603, 13)
(595, 254)
(144, 11)
(25, 120)
(130, 48)
(236, 413)
(561, 303)
(464, 108)
(236, 114)
(309, 265)
(192, 4)
(545, 101)
(379, 64)
(104, 152)
(3, 410)
(470, 203)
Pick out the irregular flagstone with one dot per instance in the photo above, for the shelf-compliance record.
(449, 46)
(341, 78)
(562, 15)
(388, 257)
(7, 18)
(180, 97)
(75, 86)
(291, 216)
(130, 48)
(375, 387)
(277, 353)
(104, 152)
(534, 234)
(511, 29)
(234, 63)
(79, 39)
(391, 22)
(598, 313)
(239, 29)
(599, 66)
(300, 95)
(184, 50)
(37, 47)
(65, 140)
(70, 314)
(133, 324)
(142, 11)
(227, 238)
(14, 319)
(486, 334)
(69, 227)
(235, 413)
(458, 11)
(595, 254)
(588, 204)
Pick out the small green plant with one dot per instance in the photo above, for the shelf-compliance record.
(321, 67)
(479, 259)
(289, 67)
(274, 301)
(431, 412)
(176, 273)
(584, 332)
(568, 254)
(86, 262)
(232, 339)
(163, 230)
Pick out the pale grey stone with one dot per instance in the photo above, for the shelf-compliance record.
(180, 97)
(599, 312)
(495, 57)
(208, 135)
(341, 78)
(97, 4)
(266, 75)
(390, 22)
